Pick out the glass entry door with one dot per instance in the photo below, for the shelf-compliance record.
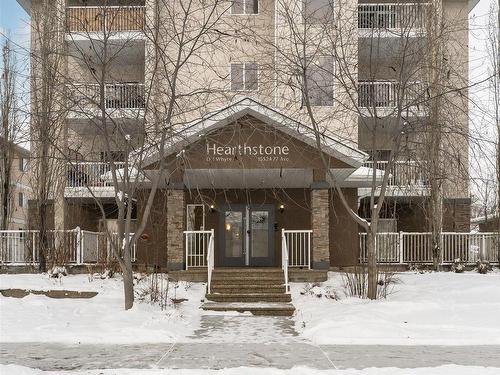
(246, 236)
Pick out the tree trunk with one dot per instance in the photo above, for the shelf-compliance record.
(371, 244)
(128, 284)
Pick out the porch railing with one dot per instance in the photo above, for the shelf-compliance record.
(284, 258)
(88, 19)
(76, 246)
(299, 247)
(116, 96)
(410, 247)
(390, 94)
(90, 174)
(392, 16)
(403, 173)
(197, 243)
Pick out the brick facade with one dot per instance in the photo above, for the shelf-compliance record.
(320, 220)
(175, 227)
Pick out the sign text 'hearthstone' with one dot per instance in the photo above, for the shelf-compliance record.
(262, 153)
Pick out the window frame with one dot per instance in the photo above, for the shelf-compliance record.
(244, 9)
(245, 89)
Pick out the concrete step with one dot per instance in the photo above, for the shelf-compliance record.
(256, 308)
(247, 289)
(246, 280)
(249, 297)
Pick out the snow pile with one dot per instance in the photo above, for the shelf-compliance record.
(101, 319)
(443, 370)
(431, 308)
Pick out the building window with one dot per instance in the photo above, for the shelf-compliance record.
(21, 200)
(245, 7)
(319, 76)
(23, 164)
(244, 77)
(318, 11)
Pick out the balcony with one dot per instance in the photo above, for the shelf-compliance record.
(89, 20)
(393, 19)
(83, 177)
(382, 98)
(407, 178)
(121, 100)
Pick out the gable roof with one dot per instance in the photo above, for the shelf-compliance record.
(331, 145)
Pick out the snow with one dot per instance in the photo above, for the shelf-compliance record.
(443, 370)
(425, 309)
(101, 319)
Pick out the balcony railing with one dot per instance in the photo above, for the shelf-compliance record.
(105, 18)
(91, 174)
(116, 95)
(393, 17)
(390, 94)
(403, 173)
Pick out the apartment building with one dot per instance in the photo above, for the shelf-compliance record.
(20, 191)
(244, 169)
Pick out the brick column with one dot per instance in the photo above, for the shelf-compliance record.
(175, 227)
(320, 225)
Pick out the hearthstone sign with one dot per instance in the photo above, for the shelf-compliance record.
(260, 152)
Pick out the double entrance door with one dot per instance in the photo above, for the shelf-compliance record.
(246, 235)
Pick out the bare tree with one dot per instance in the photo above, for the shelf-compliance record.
(47, 117)
(9, 133)
(173, 34)
(322, 42)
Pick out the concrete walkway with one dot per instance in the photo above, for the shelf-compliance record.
(220, 355)
(223, 341)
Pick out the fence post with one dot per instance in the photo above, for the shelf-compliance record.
(186, 248)
(34, 247)
(441, 248)
(482, 250)
(401, 248)
(78, 245)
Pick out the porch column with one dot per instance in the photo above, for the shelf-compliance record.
(320, 225)
(175, 228)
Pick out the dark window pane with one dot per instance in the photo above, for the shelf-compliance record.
(237, 7)
(251, 77)
(318, 11)
(237, 77)
(251, 6)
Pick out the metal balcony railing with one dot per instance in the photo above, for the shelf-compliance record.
(390, 94)
(116, 95)
(91, 174)
(89, 19)
(393, 16)
(403, 173)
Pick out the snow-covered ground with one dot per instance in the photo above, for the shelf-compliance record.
(101, 319)
(425, 309)
(429, 309)
(443, 370)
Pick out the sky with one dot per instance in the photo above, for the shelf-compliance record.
(14, 23)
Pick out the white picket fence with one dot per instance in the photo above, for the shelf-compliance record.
(409, 247)
(75, 246)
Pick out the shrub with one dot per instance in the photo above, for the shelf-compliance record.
(356, 283)
(458, 266)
